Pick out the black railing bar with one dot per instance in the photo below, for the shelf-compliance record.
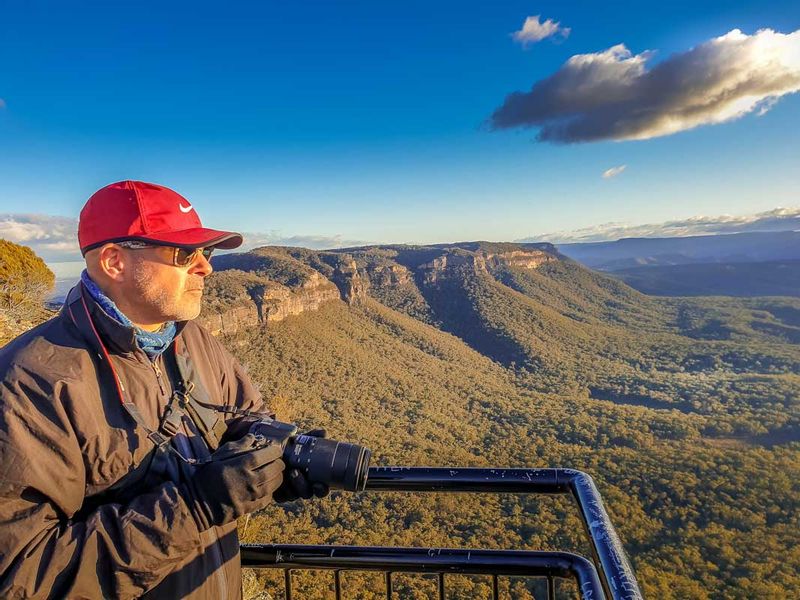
(551, 588)
(337, 584)
(471, 479)
(526, 563)
(389, 585)
(495, 588)
(287, 583)
(441, 585)
(616, 573)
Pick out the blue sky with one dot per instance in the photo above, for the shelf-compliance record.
(365, 121)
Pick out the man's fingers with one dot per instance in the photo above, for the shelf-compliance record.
(300, 484)
(267, 454)
(235, 447)
(271, 476)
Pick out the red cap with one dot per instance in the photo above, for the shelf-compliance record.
(134, 210)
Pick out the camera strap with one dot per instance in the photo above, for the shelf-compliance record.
(191, 398)
(82, 319)
(198, 402)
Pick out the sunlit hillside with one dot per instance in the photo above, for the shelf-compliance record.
(685, 411)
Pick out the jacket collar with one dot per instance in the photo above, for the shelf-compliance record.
(118, 338)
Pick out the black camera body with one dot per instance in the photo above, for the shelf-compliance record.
(339, 465)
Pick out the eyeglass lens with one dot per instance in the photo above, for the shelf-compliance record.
(185, 256)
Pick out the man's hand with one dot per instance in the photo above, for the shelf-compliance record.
(295, 483)
(240, 477)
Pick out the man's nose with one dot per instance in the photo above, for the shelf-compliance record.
(201, 266)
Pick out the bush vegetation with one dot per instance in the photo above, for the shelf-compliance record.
(685, 411)
(25, 282)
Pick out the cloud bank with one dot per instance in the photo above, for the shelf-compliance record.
(533, 30)
(613, 171)
(314, 242)
(779, 219)
(55, 239)
(613, 95)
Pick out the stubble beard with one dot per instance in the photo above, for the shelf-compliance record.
(182, 306)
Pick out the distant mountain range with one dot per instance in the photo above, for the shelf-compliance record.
(735, 248)
(740, 264)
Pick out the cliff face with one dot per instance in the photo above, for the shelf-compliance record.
(388, 275)
(268, 301)
(352, 286)
(483, 262)
(281, 302)
(524, 259)
(270, 284)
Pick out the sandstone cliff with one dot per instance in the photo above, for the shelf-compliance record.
(482, 262)
(272, 302)
(270, 284)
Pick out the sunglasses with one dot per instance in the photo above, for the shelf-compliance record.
(181, 257)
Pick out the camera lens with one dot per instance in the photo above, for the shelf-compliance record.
(340, 465)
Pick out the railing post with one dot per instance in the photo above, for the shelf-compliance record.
(287, 583)
(616, 581)
(617, 576)
(337, 584)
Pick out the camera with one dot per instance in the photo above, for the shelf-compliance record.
(339, 465)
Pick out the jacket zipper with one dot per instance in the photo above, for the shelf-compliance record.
(159, 377)
(220, 571)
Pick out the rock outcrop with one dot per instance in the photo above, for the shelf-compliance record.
(271, 302)
(281, 301)
(482, 262)
(388, 275)
(352, 286)
(271, 284)
(521, 259)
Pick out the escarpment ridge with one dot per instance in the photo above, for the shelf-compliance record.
(502, 354)
(481, 354)
(272, 283)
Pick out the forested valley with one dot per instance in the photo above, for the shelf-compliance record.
(684, 410)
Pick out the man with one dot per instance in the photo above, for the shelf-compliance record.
(124, 458)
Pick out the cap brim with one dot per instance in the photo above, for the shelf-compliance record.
(199, 237)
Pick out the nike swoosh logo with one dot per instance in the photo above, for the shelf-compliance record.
(185, 209)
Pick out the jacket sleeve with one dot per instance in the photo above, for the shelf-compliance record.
(49, 547)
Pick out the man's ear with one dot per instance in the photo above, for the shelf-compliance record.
(113, 262)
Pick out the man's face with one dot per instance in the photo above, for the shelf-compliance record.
(161, 291)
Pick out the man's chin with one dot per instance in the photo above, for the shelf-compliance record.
(190, 310)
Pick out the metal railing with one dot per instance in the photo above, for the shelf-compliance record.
(607, 575)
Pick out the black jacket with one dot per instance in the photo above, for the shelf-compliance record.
(88, 508)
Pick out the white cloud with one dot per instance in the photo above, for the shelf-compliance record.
(2, 103)
(314, 242)
(51, 237)
(779, 219)
(613, 95)
(56, 238)
(613, 171)
(533, 30)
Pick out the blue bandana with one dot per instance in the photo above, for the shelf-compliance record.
(152, 343)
